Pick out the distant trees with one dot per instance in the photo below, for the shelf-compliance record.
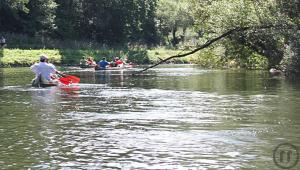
(68, 19)
(39, 20)
(173, 15)
(10, 19)
(106, 21)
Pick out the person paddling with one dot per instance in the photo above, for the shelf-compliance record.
(119, 62)
(103, 64)
(83, 61)
(44, 72)
(90, 62)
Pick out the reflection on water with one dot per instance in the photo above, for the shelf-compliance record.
(169, 118)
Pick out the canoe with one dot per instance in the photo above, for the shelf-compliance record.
(114, 68)
(43, 85)
(86, 66)
(37, 82)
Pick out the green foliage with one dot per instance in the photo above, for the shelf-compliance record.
(243, 56)
(208, 58)
(107, 21)
(211, 58)
(256, 61)
(10, 19)
(68, 15)
(24, 41)
(72, 57)
(40, 19)
(172, 15)
(249, 48)
(157, 54)
(291, 60)
(217, 16)
(19, 57)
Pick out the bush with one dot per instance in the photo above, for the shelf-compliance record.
(155, 55)
(256, 61)
(208, 58)
(19, 57)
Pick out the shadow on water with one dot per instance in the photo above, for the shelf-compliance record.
(216, 81)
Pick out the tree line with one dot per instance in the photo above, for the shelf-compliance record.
(103, 21)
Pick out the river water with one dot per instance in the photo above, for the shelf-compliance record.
(172, 117)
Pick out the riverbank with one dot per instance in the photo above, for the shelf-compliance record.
(208, 58)
(26, 57)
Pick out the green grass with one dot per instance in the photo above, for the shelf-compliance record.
(20, 57)
(157, 54)
(208, 58)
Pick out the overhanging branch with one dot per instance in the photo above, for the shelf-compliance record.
(209, 42)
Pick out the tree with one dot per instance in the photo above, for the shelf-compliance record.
(148, 29)
(9, 11)
(171, 16)
(291, 59)
(232, 19)
(68, 17)
(216, 16)
(40, 18)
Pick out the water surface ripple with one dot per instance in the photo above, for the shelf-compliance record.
(200, 120)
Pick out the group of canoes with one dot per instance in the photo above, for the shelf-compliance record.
(47, 75)
(103, 64)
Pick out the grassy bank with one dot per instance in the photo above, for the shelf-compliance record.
(23, 50)
(208, 58)
(20, 57)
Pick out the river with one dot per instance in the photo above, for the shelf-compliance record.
(171, 117)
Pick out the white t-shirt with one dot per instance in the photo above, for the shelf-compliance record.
(43, 68)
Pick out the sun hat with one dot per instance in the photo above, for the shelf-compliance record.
(43, 57)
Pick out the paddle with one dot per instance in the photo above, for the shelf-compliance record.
(74, 79)
(68, 79)
(64, 81)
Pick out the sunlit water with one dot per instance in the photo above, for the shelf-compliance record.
(172, 117)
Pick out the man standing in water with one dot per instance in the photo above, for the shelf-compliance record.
(44, 72)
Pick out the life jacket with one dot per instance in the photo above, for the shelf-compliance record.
(119, 62)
